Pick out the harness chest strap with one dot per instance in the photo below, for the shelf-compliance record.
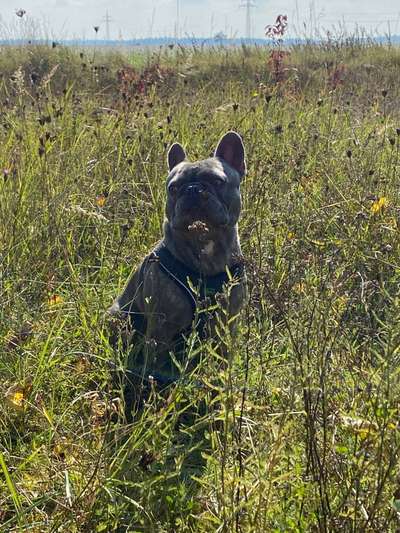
(187, 279)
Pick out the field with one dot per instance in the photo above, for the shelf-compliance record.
(300, 430)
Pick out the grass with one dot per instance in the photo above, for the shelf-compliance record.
(308, 404)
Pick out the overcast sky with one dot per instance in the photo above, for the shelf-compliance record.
(142, 18)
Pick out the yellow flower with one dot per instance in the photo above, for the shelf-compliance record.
(54, 299)
(299, 288)
(379, 205)
(16, 397)
(290, 235)
(101, 200)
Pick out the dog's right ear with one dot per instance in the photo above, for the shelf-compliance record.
(176, 154)
(230, 148)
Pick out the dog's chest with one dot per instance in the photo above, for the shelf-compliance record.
(208, 249)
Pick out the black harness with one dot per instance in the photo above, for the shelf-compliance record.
(200, 291)
(197, 287)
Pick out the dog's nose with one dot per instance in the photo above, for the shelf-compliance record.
(194, 189)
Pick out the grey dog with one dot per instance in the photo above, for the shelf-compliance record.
(198, 256)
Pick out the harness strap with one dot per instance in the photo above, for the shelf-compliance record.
(188, 280)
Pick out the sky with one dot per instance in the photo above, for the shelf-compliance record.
(60, 19)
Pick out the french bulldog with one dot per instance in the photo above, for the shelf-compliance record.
(192, 265)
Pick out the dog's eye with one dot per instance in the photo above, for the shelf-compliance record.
(219, 182)
(173, 189)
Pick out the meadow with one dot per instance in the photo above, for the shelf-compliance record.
(299, 431)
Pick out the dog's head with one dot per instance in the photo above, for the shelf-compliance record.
(208, 191)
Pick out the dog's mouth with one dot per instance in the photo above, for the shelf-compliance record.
(199, 221)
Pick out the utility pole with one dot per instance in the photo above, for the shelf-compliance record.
(212, 26)
(153, 18)
(177, 20)
(248, 5)
(107, 19)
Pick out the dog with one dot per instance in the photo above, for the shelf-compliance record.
(190, 267)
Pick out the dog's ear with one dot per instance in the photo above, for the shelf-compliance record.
(230, 148)
(176, 154)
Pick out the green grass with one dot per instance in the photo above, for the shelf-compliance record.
(308, 404)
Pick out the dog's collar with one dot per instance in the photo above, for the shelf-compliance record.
(196, 285)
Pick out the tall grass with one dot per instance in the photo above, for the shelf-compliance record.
(299, 430)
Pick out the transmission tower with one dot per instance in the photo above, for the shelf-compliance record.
(107, 19)
(178, 14)
(248, 5)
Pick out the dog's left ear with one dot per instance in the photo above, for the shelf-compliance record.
(230, 148)
(176, 154)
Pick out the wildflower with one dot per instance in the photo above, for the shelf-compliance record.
(54, 299)
(101, 200)
(16, 396)
(379, 205)
(299, 288)
(278, 29)
(290, 235)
